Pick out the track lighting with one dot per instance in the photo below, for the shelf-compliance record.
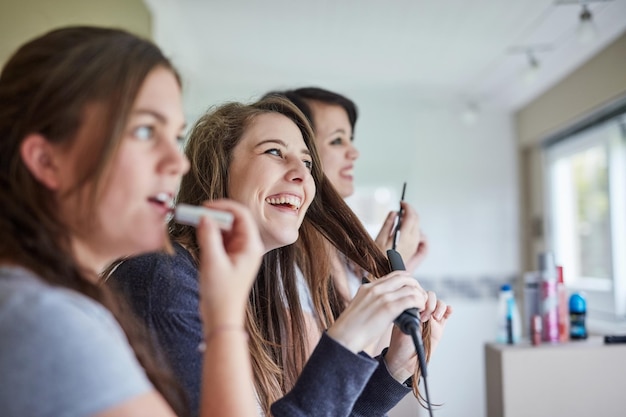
(530, 71)
(529, 75)
(586, 30)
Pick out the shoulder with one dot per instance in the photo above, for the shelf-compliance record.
(35, 304)
(64, 346)
(160, 273)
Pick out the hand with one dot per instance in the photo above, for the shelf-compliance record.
(229, 263)
(401, 359)
(412, 244)
(374, 308)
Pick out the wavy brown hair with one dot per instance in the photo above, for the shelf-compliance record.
(45, 88)
(274, 316)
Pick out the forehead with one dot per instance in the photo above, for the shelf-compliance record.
(161, 93)
(329, 118)
(268, 126)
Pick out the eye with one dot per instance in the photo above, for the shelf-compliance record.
(144, 132)
(336, 141)
(180, 139)
(308, 164)
(275, 152)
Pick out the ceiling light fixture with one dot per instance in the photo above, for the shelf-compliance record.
(586, 30)
(529, 75)
(531, 71)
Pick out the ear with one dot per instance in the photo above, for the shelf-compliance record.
(39, 157)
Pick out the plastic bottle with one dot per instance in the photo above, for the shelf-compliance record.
(509, 324)
(564, 318)
(531, 301)
(577, 314)
(549, 300)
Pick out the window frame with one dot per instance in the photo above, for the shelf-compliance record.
(606, 299)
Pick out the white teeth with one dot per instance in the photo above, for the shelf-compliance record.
(163, 198)
(291, 200)
(348, 172)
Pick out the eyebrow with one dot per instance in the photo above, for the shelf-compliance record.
(282, 143)
(161, 118)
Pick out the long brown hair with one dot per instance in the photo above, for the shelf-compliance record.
(274, 316)
(45, 88)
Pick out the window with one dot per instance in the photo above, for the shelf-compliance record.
(586, 206)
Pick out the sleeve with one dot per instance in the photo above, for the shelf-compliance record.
(329, 384)
(65, 356)
(381, 393)
(164, 291)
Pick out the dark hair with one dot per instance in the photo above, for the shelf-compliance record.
(45, 88)
(274, 316)
(301, 96)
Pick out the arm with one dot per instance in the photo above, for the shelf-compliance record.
(329, 384)
(397, 364)
(228, 265)
(184, 307)
(335, 375)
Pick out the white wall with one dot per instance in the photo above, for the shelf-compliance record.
(463, 181)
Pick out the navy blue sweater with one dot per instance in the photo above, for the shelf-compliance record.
(163, 291)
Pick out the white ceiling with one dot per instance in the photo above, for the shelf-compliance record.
(235, 49)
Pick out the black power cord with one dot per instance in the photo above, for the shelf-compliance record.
(409, 323)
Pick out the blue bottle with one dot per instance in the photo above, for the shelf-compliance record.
(577, 315)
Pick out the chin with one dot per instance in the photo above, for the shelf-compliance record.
(282, 240)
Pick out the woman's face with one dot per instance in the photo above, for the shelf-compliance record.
(333, 136)
(143, 177)
(270, 173)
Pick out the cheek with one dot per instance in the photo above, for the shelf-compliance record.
(332, 160)
(310, 191)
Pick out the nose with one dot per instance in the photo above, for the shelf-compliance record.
(352, 152)
(298, 171)
(173, 160)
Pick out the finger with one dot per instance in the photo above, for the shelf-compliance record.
(448, 313)
(410, 218)
(392, 289)
(386, 229)
(440, 310)
(391, 281)
(210, 241)
(431, 305)
(244, 235)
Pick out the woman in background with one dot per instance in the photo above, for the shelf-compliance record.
(90, 122)
(263, 155)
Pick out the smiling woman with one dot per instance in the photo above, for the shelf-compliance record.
(264, 156)
(270, 173)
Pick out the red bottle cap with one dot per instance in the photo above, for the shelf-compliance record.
(559, 274)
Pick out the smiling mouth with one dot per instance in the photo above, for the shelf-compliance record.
(292, 202)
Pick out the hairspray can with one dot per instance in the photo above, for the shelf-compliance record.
(532, 300)
(549, 298)
(563, 306)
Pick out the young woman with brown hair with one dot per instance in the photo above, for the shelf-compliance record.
(90, 123)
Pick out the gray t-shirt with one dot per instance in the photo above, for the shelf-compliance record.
(61, 353)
